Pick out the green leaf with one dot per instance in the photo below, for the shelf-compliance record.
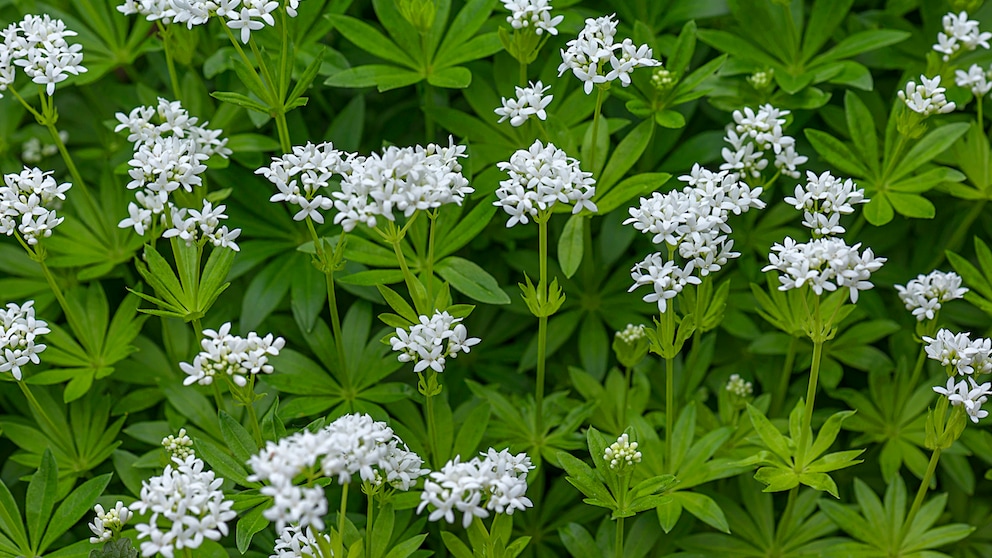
(384, 76)
(10, 518)
(570, 245)
(732, 44)
(626, 155)
(828, 433)
(398, 304)
(471, 280)
(249, 524)
(704, 508)
(670, 119)
(824, 18)
(457, 77)
(912, 205)
(878, 211)
(472, 430)
(74, 507)
(669, 512)
(240, 100)
(42, 492)
(861, 125)
(934, 143)
(237, 438)
(855, 44)
(777, 479)
(407, 547)
(369, 39)
(628, 189)
(836, 153)
(221, 462)
(773, 439)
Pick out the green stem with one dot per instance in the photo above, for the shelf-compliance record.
(914, 378)
(26, 105)
(806, 425)
(341, 517)
(896, 153)
(790, 509)
(218, 396)
(331, 296)
(430, 256)
(198, 330)
(368, 524)
(619, 544)
(256, 430)
(431, 430)
(407, 276)
(783, 386)
(921, 493)
(595, 128)
(523, 74)
(981, 121)
(170, 63)
(59, 296)
(282, 129)
(669, 318)
(542, 322)
(77, 179)
(622, 419)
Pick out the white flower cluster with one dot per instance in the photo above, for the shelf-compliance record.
(297, 542)
(186, 506)
(19, 331)
(407, 179)
(241, 15)
(231, 356)
(825, 263)
(535, 14)
(27, 204)
(351, 445)
(960, 33)
(431, 341)
(739, 386)
(927, 98)
(167, 156)
(301, 175)
(192, 226)
(540, 177)
(495, 482)
(924, 295)
(530, 101)
(33, 150)
(37, 45)
(108, 523)
(400, 179)
(693, 223)
(179, 446)
(631, 333)
(976, 79)
(752, 135)
(622, 453)
(596, 59)
(823, 200)
(969, 360)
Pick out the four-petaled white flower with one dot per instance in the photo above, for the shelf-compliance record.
(925, 294)
(596, 59)
(37, 45)
(533, 14)
(530, 101)
(19, 336)
(541, 177)
(431, 341)
(960, 33)
(976, 79)
(927, 98)
(755, 133)
(231, 356)
(108, 523)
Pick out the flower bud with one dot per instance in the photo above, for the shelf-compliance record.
(631, 345)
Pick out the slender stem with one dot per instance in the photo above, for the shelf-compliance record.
(187, 552)
(198, 330)
(790, 509)
(407, 276)
(77, 179)
(783, 386)
(921, 493)
(52, 284)
(595, 128)
(914, 378)
(430, 256)
(896, 153)
(341, 516)
(432, 430)
(170, 63)
(331, 296)
(669, 318)
(368, 524)
(542, 130)
(256, 430)
(806, 426)
(523, 74)
(619, 544)
(218, 396)
(981, 121)
(542, 322)
(622, 419)
(282, 129)
(244, 57)
(30, 108)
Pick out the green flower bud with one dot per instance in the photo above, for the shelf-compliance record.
(631, 345)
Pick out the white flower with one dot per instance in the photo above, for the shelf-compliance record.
(190, 225)
(300, 176)
(494, 482)
(19, 331)
(186, 506)
(231, 356)
(925, 294)
(406, 180)
(823, 200)
(927, 98)
(976, 79)
(755, 133)
(107, 524)
(351, 445)
(431, 341)
(960, 33)
(825, 264)
(739, 386)
(541, 177)
(955, 350)
(535, 14)
(37, 45)
(622, 453)
(253, 15)
(530, 101)
(595, 58)
(971, 397)
(297, 542)
(667, 279)
(28, 201)
(179, 446)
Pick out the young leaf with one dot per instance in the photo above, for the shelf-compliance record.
(570, 245)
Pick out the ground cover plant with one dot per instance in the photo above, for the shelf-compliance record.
(403, 278)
